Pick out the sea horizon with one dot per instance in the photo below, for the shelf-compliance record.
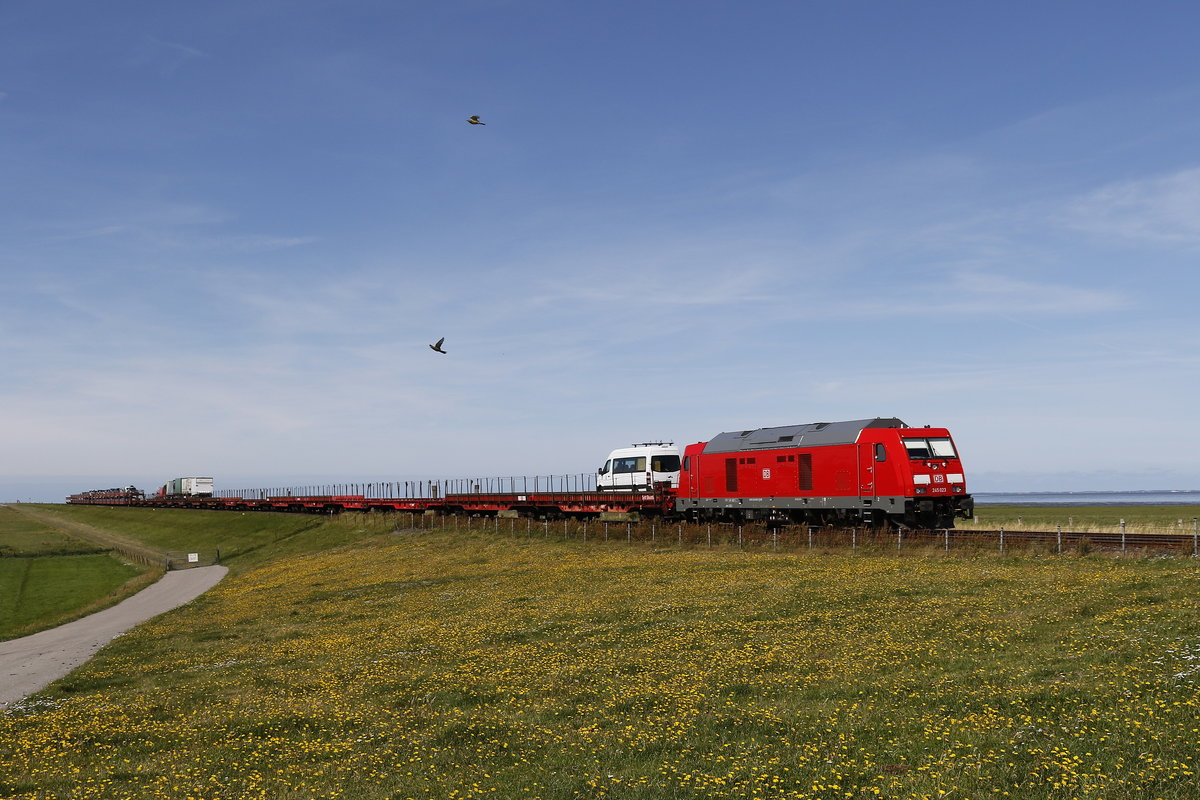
(1088, 497)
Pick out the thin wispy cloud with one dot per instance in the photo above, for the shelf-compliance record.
(168, 57)
(1162, 210)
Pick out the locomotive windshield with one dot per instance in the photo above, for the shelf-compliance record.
(939, 447)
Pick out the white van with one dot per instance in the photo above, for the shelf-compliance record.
(639, 468)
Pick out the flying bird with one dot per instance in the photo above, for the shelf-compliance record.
(474, 120)
(437, 348)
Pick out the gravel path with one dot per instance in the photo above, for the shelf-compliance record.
(31, 663)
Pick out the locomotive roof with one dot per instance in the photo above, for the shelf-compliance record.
(814, 434)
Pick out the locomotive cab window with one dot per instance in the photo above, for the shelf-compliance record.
(940, 447)
(880, 452)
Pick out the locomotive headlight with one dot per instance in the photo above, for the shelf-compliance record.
(920, 490)
(920, 479)
(954, 477)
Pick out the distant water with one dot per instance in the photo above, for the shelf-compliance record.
(1140, 498)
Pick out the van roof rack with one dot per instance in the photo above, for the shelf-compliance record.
(652, 444)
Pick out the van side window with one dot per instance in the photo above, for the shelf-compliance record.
(630, 464)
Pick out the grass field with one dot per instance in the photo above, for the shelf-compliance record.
(1089, 519)
(242, 538)
(38, 593)
(47, 577)
(22, 536)
(453, 665)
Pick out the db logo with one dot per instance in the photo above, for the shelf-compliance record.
(766, 474)
(939, 478)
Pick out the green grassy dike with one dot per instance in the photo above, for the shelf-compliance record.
(48, 578)
(389, 662)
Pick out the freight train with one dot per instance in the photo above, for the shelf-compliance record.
(877, 472)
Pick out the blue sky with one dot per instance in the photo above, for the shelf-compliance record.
(228, 231)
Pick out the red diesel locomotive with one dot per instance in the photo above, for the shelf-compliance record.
(872, 471)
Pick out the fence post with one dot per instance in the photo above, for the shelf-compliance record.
(1122, 537)
(899, 538)
(681, 534)
(564, 529)
(946, 533)
(585, 529)
(1195, 534)
(1059, 538)
(810, 537)
(629, 533)
(710, 534)
(775, 539)
(651, 533)
(854, 538)
(739, 537)
(1001, 538)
